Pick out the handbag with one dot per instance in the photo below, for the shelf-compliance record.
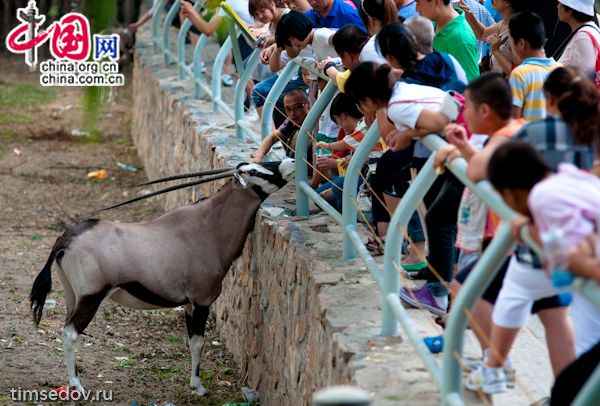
(596, 77)
(485, 65)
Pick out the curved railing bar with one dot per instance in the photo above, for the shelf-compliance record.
(397, 226)
(302, 145)
(216, 78)
(199, 83)
(181, 36)
(240, 91)
(156, 23)
(349, 193)
(171, 14)
(266, 119)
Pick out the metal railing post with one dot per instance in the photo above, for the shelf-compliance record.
(273, 96)
(302, 145)
(240, 91)
(166, 27)
(156, 23)
(590, 393)
(217, 71)
(396, 230)
(478, 280)
(351, 178)
(181, 36)
(198, 65)
(237, 55)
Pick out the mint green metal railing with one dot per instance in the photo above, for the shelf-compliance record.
(448, 377)
(171, 14)
(186, 25)
(156, 23)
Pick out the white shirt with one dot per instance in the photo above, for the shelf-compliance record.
(406, 104)
(369, 53)
(327, 126)
(320, 44)
(408, 100)
(580, 52)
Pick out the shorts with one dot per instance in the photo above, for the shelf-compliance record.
(493, 290)
(522, 286)
(393, 171)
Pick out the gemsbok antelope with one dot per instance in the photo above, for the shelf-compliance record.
(177, 259)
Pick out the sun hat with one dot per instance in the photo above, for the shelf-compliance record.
(583, 6)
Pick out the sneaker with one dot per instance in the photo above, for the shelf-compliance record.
(202, 67)
(226, 80)
(487, 380)
(424, 299)
(511, 377)
(422, 274)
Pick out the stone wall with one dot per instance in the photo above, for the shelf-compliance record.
(295, 317)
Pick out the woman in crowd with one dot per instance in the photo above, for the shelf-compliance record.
(502, 59)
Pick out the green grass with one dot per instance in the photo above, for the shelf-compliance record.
(23, 95)
(12, 118)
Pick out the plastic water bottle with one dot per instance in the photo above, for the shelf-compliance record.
(555, 253)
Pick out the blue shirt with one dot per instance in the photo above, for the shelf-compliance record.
(495, 14)
(409, 10)
(340, 15)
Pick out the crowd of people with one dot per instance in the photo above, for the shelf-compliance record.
(519, 105)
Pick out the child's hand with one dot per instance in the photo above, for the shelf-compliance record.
(265, 54)
(464, 7)
(445, 155)
(324, 163)
(323, 145)
(456, 134)
(187, 9)
(494, 41)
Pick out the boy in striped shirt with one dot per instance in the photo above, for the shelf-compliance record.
(527, 80)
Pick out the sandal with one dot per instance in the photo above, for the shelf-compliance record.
(416, 267)
(374, 246)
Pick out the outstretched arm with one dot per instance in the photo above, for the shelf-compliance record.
(265, 146)
(205, 27)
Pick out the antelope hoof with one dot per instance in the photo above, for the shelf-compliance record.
(199, 391)
(197, 388)
(75, 383)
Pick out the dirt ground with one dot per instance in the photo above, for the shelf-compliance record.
(142, 356)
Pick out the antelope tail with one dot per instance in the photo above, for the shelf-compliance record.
(40, 289)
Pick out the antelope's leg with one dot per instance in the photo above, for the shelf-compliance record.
(70, 336)
(199, 317)
(77, 321)
(188, 321)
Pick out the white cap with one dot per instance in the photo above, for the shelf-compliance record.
(583, 6)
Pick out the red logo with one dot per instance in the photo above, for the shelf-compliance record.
(70, 37)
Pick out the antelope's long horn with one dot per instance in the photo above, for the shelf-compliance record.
(172, 188)
(186, 175)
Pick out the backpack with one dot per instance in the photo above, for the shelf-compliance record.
(596, 77)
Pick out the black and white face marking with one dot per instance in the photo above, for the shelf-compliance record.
(268, 176)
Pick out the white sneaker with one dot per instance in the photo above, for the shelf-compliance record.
(226, 80)
(202, 67)
(487, 380)
(473, 364)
